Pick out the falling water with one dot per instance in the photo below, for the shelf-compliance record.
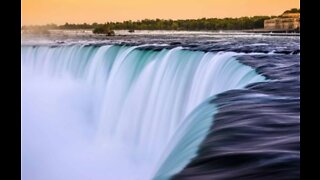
(119, 112)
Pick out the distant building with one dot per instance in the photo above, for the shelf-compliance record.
(285, 22)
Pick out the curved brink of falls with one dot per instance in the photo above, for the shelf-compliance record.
(256, 131)
(118, 112)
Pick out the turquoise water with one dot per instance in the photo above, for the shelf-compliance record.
(118, 112)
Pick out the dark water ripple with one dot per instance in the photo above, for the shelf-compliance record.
(256, 132)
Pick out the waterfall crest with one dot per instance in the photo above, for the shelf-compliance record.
(119, 112)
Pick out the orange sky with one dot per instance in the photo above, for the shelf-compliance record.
(89, 11)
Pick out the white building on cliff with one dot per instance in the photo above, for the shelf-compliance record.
(285, 22)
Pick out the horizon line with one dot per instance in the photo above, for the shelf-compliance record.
(51, 23)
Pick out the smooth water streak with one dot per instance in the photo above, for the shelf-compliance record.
(119, 112)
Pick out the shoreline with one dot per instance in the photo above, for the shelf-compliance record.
(87, 33)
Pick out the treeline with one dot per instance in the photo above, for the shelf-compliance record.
(241, 23)
(192, 24)
(293, 10)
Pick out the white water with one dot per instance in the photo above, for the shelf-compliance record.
(118, 113)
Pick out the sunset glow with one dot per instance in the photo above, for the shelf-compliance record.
(89, 11)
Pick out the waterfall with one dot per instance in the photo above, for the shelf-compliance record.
(119, 112)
